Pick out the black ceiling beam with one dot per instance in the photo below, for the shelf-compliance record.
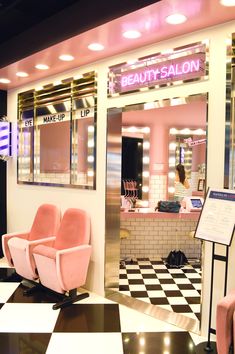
(73, 20)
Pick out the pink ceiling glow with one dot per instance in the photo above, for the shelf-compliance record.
(150, 21)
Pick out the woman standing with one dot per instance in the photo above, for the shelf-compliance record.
(181, 183)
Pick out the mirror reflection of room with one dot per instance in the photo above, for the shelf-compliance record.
(177, 135)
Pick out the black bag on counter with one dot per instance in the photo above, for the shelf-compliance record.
(168, 206)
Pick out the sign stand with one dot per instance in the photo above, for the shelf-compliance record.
(210, 347)
(216, 224)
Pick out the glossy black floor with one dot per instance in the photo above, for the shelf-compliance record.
(28, 325)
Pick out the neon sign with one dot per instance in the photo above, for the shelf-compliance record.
(159, 70)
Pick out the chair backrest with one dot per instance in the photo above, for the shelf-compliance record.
(74, 229)
(46, 222)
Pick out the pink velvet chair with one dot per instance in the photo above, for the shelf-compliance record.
(224, 323)
(63, 266)
(18, 247)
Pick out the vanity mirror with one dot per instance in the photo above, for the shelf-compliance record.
(57, 134)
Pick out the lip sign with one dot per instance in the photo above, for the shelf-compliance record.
(161, 72)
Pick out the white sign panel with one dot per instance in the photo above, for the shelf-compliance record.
(84, 113)
(53, 118)
(27, 123)
(217, 219)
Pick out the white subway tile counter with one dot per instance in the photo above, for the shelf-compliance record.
(154, 234)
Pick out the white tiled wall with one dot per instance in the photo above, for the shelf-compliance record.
(60, 178)
(157, 189)
(155, 238)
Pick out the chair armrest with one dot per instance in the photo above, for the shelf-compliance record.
(72, 265)
(21, 234)
(6, 237)
(224, 322)
(43, 242)
(46, 249)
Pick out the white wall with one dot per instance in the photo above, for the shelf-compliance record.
(23, 200)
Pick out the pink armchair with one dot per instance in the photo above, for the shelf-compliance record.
(63, 266)
(224, 323)
(18, 247)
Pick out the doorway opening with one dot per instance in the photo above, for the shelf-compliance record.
(144, 238)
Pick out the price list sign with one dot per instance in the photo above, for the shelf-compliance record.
(217, 219)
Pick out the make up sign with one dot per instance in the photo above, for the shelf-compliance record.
(53, 118)
(217, 220)
(158, 70)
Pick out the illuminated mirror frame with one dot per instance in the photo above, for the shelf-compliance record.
(144, 133)
(78, 96)
(173, 133)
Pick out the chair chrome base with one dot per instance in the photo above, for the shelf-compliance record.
(70, 299)
(64, 300)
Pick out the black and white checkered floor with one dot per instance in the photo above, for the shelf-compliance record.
(177, 290)
(95, 325)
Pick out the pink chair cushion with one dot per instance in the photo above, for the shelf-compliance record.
(74, 229)
(46, 222)
(224, 322)
(64, 266)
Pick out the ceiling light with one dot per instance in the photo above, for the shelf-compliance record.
(176, 19)
(41, 66)
(4, 81)
(22, 74)
(66, 57)
(227, 2)
(95, 46)
(131, 34)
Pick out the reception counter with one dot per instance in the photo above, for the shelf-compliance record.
(149, 234)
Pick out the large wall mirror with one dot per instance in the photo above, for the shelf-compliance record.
(57, 134)
(188, 148)
(135, 163)
(174, 133)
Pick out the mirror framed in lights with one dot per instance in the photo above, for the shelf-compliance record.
(57, 134)
(181, 142)
(142, 132)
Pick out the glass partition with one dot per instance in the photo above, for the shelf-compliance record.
(57, 134)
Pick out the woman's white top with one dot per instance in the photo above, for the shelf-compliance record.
(180, 191)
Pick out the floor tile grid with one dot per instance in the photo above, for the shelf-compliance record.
(177, 290)
(94, 325)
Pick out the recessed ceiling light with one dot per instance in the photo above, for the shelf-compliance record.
(41, 66)
(22, 74)
(131, 34)
(4, 81)
(227, 2)
(176, 19)
(66, 57)
(95, 46)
